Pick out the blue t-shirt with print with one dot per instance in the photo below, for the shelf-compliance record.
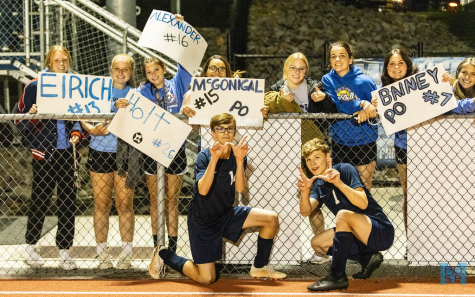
(108, 143)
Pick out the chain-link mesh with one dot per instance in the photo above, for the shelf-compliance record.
(41, 205)
(11, 14)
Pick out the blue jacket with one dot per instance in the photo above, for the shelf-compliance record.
(41, 135)
(177, 87)
(348, 92)
(463, 106)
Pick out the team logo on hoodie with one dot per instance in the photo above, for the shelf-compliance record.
(345, 94)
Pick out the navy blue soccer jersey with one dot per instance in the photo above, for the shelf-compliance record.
(212, 209)
(328, 194)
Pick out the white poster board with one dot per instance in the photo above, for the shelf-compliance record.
(149, 128)
(176, 39)
(242, 98)
(270, 177)
(441, 188)
(73, 93)
(414, 99)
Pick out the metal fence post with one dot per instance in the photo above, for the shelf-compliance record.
(420, 49)
(42, 34)
(161, 204)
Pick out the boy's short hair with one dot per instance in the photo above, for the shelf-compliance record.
(316, 144)
(222, 119)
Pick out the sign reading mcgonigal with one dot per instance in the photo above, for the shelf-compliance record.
(414, 99)
(176, 39)
(241, 97)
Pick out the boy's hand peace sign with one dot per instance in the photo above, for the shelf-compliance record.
(330, 175)
(217, 148)
(303, 183)
(241, 149)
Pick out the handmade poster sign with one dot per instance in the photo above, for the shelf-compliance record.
(149, 128)
(73, 93)
(176, 39)
(243, 98)
(414, 99)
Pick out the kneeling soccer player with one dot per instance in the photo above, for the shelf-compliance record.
(219, 174)
(362, 228)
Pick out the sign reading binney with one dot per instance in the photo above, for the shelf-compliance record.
(174, 38)
(73, 93)
(414, 99)
(243, 98)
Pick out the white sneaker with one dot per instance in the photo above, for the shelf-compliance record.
(104, 261)
(124, 261)
(157, 267)
(317, 259)
(266, 272)
(32, 258)
(67, 264)
(65, 261)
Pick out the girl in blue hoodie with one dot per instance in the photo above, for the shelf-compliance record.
(169, 95)
(354, 142)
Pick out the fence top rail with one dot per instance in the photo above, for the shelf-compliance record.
(104, 116)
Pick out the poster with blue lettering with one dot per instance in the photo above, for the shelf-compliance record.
(241, 97)
(149, 128)
(73, 93)
(414, 99)
(176, 39)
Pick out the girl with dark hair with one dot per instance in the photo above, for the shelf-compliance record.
(353, 142)
(215, 66)
(169, 95)
(398, 65)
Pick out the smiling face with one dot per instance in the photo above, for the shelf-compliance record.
(340, 60)
(397, 68)
(296, 72)
(222, 133)
(155, 74)
(466, 77)
(121, 73)
(59, 63)
(219, 66)
(317, 162)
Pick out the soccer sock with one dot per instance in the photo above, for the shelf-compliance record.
(264, 248)
(341, 250)
(172, 243)
(155, 240)
(173, 260)
(101, 247)
(127, 247)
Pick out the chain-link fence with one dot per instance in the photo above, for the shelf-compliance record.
(103, 210)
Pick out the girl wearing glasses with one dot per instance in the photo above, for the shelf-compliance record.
(215, 66)
(298, 93)
(169, 95)
(354, 142)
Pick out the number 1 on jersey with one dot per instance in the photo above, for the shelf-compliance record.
(336, 199)
(232, 177)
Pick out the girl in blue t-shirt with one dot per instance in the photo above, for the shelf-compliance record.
(102, 167)
(168, 94)
(354, 142)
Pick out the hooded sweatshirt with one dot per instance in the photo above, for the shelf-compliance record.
(348, 92)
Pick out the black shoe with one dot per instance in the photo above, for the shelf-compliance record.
(330, 282)
(369, 267)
